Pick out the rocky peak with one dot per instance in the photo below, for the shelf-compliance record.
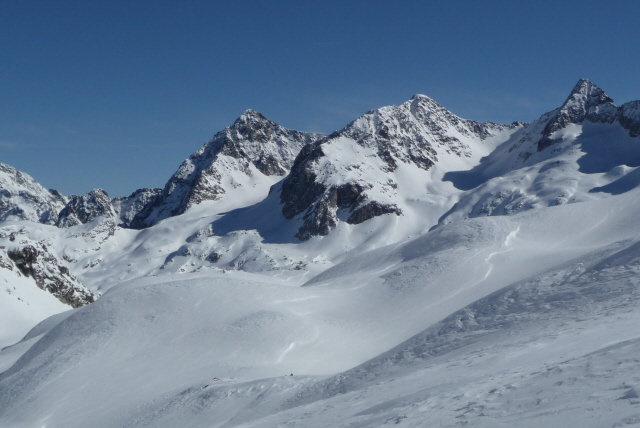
(352, 169)
(252, 144)
(83, 208)
(127, 208)
(23, 198)
(271, 148)
(585, 102)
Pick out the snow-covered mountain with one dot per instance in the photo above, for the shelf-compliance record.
(413, 268)
(372, 166)
(581, 151)
(21, 197)
(250, 153)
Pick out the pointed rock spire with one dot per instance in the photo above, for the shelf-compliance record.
(586, 102)
(586, 95)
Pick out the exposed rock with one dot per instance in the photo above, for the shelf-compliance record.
(22, 198)
(371, 210)
(83, 208)
(588, 102)
(629, 117)
(50, 275)
(253, 144)
(346, 169)
(127, 208)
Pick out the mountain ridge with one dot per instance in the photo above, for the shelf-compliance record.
(413, 266)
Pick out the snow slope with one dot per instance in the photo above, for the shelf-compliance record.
(556, 264)
(568, 155)
(501, 290)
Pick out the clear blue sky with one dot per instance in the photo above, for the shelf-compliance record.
(115, 94)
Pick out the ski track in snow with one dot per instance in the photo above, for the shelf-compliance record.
(507, 244)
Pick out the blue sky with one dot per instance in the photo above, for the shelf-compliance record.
(115, 94)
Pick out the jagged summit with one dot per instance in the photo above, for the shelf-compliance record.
(557, 159)
(249, 113)
(23, 198)
(420, 96)
(586, 101)
(353, 170)
(240, 156)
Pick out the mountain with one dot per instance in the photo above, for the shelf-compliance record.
(22, 198)
(571, 154)
(243, 156)
(357, 173)
(83, 208)
(414, 268)
(127, 208)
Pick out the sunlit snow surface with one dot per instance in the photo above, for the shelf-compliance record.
(506, 294)
(362, 340)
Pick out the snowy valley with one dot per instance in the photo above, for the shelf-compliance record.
(413, 268)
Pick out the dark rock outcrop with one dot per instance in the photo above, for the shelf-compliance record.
(128, 208)
(50, 275)
(629, 117)
(588, 102)
(83, 208)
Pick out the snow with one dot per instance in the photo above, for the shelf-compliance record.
(22, 306)
(230, 325)
(505, 295)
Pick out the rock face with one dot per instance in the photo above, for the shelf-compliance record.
(352, 170)
(235, 157)
(22, 198)
(38, 263)
(588, 102)
(629, 117)
(84, 208)
(127, 208)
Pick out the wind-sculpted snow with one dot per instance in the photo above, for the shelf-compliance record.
(220, 348)
(559, 347)
(588, 286)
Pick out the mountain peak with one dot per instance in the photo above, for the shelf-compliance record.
(583, 83)
(420, 97)
(586, 102)
(250, 115)
(227, 162)
(587, 94)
